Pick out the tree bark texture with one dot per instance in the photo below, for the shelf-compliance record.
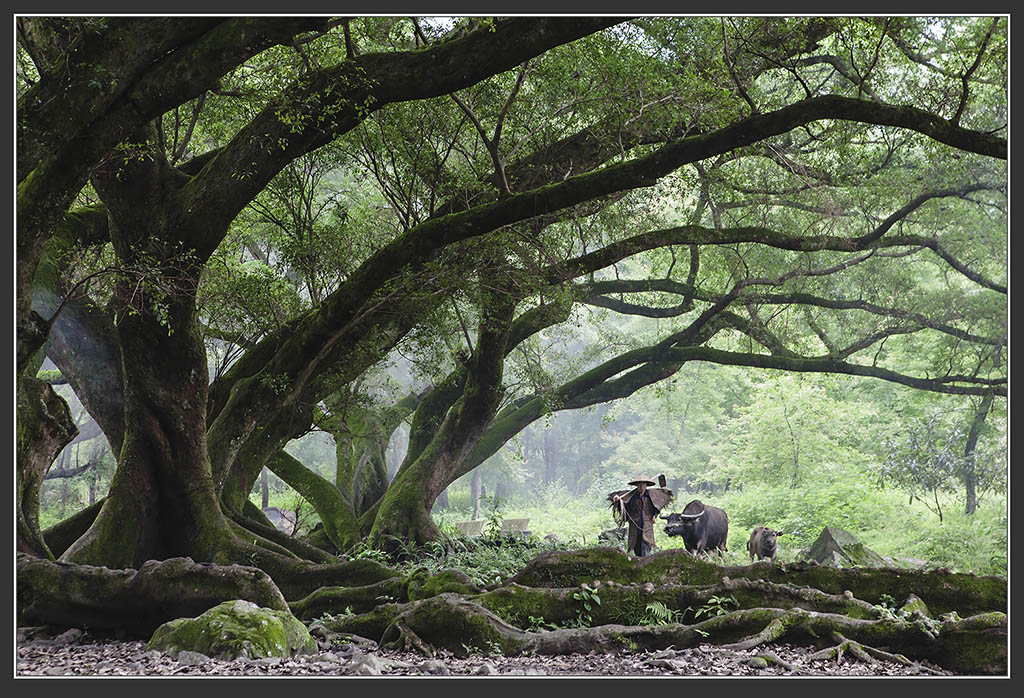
(44, 428)
(136, 601)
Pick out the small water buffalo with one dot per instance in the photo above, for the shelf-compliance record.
(703, 528)
(762, 543)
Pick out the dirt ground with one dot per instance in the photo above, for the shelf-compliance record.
(75, 653)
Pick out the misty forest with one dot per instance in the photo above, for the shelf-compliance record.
(363, 319)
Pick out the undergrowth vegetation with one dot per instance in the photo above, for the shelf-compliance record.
(884, 520)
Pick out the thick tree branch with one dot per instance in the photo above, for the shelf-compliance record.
(828, 365)
(317, 111)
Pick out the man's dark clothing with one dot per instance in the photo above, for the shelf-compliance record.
(640, 515)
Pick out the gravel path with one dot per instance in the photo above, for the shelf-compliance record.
(74, 653)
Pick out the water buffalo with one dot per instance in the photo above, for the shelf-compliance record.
(762, 543)
(703, 528)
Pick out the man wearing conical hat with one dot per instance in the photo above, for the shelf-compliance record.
(638, 509)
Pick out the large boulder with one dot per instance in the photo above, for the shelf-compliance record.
(235, 629)
(837, 547)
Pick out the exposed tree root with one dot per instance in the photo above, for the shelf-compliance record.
(775, 630)
(294, 546)
(967, 594)
(767, 655)
(427, 613)
(408, 640)
(136, 601)
(867, 654)
(357, 599)
(452, 622)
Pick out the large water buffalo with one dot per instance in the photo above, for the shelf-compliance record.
(703, 528)
(762, 543)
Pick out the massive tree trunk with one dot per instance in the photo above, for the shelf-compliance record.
(44, 428)
(162, 501)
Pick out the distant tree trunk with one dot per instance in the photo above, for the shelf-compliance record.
(264, 488)
(63, 488)
(796, 448)
(476, 488)
(970, 475)
(550, 456)
(442, 500)
(362, 437)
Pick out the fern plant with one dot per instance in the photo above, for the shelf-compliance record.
(659, 614)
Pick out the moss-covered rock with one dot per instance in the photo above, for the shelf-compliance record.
(915, 604)
(235, 629)
(840, 548)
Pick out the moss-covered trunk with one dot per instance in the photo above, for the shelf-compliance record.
(336, 514)
(161, 501)
(44, 428)
(362, 435)
(403, 515)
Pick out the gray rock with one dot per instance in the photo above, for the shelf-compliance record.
(837, 547)
(267, 661)
(758, 662)
(190, 657)
(28, 633)
(367, 665)
(486, 670)
(664, 654)
(528, 671)
(433, 666)
(69, 636)
(55, 671)
(151, 655)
